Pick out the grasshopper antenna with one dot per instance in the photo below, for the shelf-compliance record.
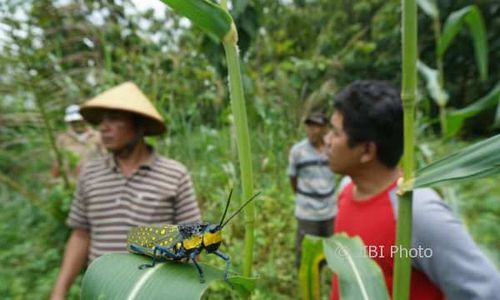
(239, 209)
(227, 206)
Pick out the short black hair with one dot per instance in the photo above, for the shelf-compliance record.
(316, 118)
(373, 112)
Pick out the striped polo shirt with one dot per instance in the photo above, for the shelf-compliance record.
(108, 204)
(315, 197)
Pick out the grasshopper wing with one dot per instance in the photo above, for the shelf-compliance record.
(150, 236)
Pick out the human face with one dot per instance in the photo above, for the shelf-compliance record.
(78, 126)
(343, 158)
(117, 129)
(315, 133)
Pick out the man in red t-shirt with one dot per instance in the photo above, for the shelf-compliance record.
(365, 143)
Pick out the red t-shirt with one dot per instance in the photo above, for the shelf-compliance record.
(374, 221)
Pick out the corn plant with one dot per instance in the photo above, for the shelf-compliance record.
(217, 22)
(309, 271)
(470, 16)
(358, 275)
(455, 118)
(478, 160)
(402, 265)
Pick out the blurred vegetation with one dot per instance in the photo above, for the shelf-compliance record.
(296, 55)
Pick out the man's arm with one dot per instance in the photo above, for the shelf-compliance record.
(293, 183)
(292, 168)
(74, 259)
(456, 263)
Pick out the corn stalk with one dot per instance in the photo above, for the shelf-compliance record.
(436, 26)
(52, 140)
(469, 16)
(402, 265)
(216, 21)
(243, 138)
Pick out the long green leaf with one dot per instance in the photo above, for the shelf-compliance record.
(452, 26)
(437, 93)
(476, 25)
(359, 276)
(478, 160)
(238, 108)
(205, 14)
(471, 16)
(309, 275)
(429, 7)
(497, 117)
(116, 276)
(456, 118)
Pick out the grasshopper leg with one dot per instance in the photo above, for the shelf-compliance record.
(228, 263)
(153, 262)
(193, 259)
(169, 254)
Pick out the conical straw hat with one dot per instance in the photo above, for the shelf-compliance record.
(125, 97)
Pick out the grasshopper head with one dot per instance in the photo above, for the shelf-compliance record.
(212, 237)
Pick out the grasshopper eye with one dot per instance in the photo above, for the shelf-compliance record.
(214, 229)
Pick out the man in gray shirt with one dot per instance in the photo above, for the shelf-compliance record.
(312, 182)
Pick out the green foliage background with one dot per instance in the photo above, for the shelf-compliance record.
(296, 55)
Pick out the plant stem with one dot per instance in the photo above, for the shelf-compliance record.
(440, 69)
(223, 4)
(402, 264)
(442, 119)
(243, 141)
(35, 200)
(50, 133)
(215, 19)
(436, 26)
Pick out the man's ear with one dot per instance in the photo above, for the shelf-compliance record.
(369, 152)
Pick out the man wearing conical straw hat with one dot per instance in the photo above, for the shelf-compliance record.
(132, 186)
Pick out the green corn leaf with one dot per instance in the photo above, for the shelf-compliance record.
(497, 117)
(205, 14)
(359, 276)
(429, 7)
(116, 276)
(455, 119)
(471, 16)
(478, 160)
(309, 275)
(437, 93)
(476, 25)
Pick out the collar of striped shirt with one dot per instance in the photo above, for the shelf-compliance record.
(148, 164)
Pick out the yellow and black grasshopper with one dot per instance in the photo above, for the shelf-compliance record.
(175, 242)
